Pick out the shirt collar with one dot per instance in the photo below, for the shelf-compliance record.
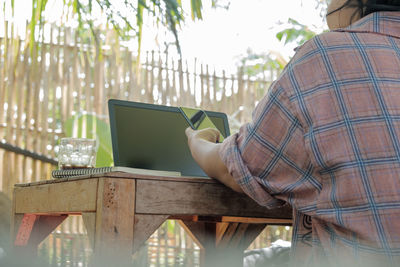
(386, 23)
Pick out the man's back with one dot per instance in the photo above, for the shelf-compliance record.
(326, 140)
(348, 102)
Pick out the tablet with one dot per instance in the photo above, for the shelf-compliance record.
(153, 137)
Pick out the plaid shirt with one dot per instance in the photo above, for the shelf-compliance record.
(326, 140)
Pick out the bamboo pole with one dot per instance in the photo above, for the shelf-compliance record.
(35, 80)
(174, 99)
(182, 94)
(166, 97)
(125, 73)
(3, 76)
(189, 98)
(150, 98)
(133, 85)
(160, 88)
(44, 110)
(213, 94)
(21, 105)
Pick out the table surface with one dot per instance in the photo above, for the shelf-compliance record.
(199, 196)
(123, 210)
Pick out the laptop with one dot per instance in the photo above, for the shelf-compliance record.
(147, 136)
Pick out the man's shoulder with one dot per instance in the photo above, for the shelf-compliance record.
(321, 43)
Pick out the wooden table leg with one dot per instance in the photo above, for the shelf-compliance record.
(222, 244)
(29, 230)
(113, 230)
(144, 226)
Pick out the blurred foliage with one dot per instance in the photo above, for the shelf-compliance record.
(124, 16)
(300, 33)
(297, 32)
(256, 65)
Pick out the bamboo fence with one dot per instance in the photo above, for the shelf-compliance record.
(43, 85)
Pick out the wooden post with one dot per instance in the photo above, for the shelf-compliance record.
(29, 230)
(114, 222)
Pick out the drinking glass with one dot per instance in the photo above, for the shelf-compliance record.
(75, 153)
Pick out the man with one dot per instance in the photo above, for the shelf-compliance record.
(326, 140)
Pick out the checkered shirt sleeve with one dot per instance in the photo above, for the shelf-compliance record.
(266, 157)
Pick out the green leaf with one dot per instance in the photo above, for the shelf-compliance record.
(92, 127)
(196, 7)
(139, 22)
(297, 32)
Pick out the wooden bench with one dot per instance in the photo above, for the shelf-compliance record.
(121, 211)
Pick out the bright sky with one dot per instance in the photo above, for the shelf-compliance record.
(223, 35)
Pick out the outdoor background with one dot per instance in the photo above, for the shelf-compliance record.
(60, 61)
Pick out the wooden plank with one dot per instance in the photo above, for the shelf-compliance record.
(144, 227)
(226, 236)
(16, 220)
(44, 225)
(238, 236)
(270, 221)
(25, 229)
(89, 219)
(252, 231)
(211, 254)
(123, 175)
(195, 230)
(180, 198)
(221, 229)
(114, 222)
(79, 196)
(227, 219)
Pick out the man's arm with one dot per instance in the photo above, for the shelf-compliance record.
(205, 151)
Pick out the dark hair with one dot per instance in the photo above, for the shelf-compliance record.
(366, 7)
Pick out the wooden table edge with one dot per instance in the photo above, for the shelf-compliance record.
(123, 175)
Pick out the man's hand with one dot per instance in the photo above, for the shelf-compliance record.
(209, 134)
(205, 151)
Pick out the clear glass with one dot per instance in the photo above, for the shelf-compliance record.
(77, 153)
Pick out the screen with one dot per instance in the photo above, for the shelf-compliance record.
(153, 137)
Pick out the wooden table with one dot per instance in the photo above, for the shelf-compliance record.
(121, 211)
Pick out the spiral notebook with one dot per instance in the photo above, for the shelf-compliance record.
(89, 171)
